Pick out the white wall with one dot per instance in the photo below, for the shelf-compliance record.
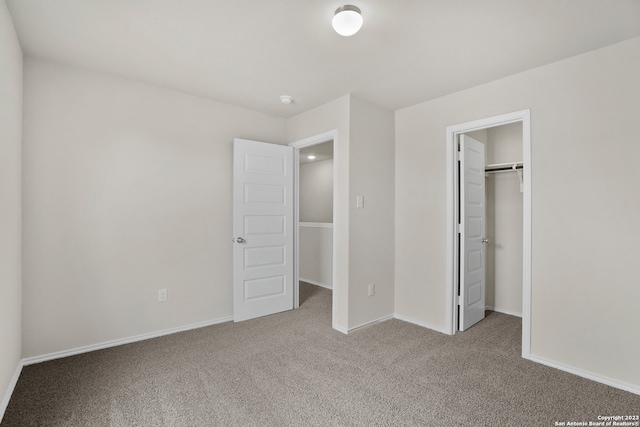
(316, 253)
(504, 144)
(127, 189)
(364, 163)
(316, 191)
(504, 221)
(371, 252)
(10, 203)
(585, 219)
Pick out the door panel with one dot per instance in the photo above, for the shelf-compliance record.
(263, 225)
(472, 217)
(262, 229)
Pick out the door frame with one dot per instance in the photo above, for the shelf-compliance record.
(452, 132)
(298, 145)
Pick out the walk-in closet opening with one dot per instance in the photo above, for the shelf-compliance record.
(503, 214)
(315, 215)
(489, 232)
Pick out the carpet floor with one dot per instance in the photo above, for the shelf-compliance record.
(293, 369)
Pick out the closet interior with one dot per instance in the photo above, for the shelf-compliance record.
(316, 214)
(504, 204)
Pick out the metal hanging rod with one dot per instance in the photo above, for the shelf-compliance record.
(504, 167)
(507, 167)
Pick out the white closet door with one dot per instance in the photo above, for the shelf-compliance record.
(472, 235)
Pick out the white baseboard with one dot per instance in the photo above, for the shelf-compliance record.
(340, 329)
(499, 310)
(421, 323)
(372, 322)
(121, 341)
(12, 386)
(313, 282)
(631, 388)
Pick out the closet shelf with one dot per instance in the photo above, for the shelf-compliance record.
(317, 224)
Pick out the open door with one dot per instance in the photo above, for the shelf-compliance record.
(471, 303)
(263, 177)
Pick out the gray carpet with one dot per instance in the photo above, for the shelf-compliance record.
(293, 369)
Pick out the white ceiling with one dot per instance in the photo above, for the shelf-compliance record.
(249, 52)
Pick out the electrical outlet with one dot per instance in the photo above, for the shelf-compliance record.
(162, 295)
(372, 289)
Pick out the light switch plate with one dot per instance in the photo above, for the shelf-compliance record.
(372, 289)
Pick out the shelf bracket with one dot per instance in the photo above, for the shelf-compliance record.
(519, 172)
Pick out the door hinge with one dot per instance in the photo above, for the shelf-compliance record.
(459, 228)
(459, 299)
(459, 156)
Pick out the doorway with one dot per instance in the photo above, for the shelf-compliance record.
(315, 208)
(453, 208)
(323, 147)
(503, 217)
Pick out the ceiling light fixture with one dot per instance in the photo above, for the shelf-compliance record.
(311, 157)
(286, 99)
(347, 20)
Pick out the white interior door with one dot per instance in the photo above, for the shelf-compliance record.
(262, 229)
(472, 233)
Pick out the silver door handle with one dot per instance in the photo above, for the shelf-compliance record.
(240, 240)
(485, 240)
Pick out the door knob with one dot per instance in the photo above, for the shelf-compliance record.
(485, 240)
(240, 240)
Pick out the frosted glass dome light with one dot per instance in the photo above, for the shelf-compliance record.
(347, 21)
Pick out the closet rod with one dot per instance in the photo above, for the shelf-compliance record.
(504, 168)
(517, 167)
